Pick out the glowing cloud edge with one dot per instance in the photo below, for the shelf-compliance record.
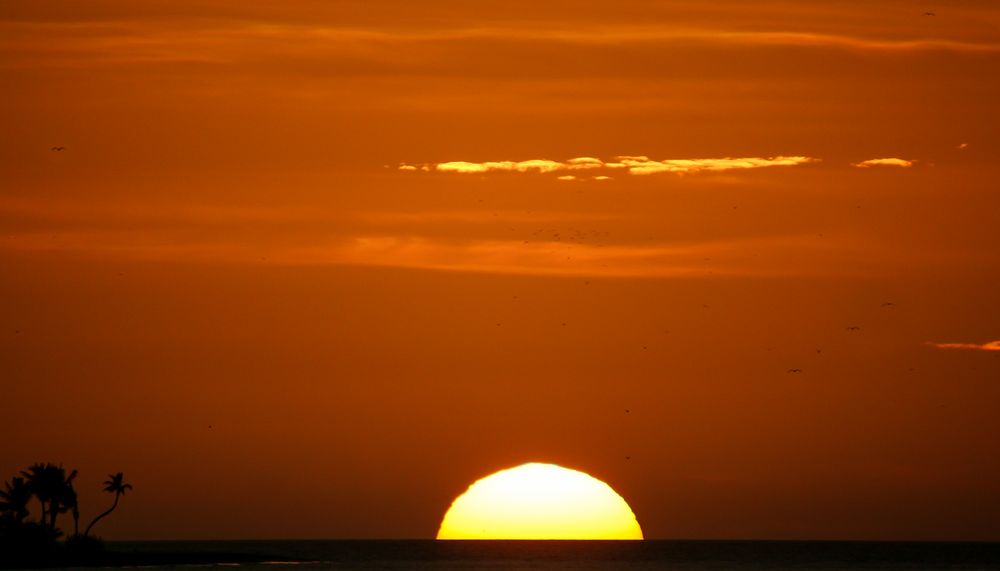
(634, 165)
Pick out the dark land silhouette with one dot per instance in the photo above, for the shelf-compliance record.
(31, 504)
(32, 536)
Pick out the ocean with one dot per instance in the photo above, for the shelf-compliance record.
(556, 555)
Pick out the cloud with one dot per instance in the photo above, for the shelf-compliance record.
(406, 246)
(889, 162)
(807, 39)
(988, 346)
(538, 165)
(643, 165)
(561, 258)
(382, 218)
(229, 40)
(636, 165)
(585, 163)
(515, 242)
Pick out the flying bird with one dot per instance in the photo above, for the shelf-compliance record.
(58, 149)
(854, 328)
(888, 304)
(928, 13)
(794, 370)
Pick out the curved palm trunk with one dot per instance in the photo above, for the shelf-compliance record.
(98, 518)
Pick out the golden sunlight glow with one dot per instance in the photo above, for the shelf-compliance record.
(539, 501)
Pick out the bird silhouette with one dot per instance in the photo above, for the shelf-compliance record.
(794, 370)
(928, 13)
(888, 304)
(854, 328)
(58, 148)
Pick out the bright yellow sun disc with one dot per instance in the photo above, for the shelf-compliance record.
(539, 501)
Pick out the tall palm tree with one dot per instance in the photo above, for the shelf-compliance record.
(65, 497)
(15, 497)
(39, 486)
(68, 500)
(53, 488)
(115, 484)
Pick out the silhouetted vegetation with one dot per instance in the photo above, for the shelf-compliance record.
(116, 485)
(30, 505)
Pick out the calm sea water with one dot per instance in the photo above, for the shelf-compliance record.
(564, 555)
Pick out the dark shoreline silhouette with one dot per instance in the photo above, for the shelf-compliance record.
(648, 554)
(113, 558)
(30, 537)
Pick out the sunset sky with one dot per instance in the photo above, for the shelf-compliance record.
(309, 269)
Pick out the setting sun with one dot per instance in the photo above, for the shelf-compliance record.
(539, 501)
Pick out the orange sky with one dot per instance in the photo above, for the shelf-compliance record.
(337, 234)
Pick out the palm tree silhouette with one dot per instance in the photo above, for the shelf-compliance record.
(115, 485)
(38, 486)
(68, 500)
(53, 488)
(14, 498)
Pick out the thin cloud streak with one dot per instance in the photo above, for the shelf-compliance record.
(887, 162)
(776, 256)
(988, 346)
(857, 43)
(99, 43)
(634, 165)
